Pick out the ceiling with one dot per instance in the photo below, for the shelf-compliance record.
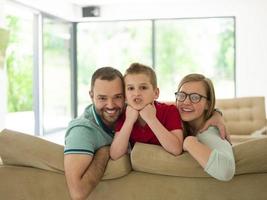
(83, 3)
(71, 10)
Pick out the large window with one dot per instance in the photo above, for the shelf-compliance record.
(54, 83)
(175, 47)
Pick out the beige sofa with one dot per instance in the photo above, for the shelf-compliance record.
(32, 168)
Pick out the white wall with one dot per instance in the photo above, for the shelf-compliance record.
(60, 8)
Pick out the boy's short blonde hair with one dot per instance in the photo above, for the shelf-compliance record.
(138, 68)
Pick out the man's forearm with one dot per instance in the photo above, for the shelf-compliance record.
(95, 171)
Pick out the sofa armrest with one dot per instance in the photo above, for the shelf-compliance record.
(26, 150)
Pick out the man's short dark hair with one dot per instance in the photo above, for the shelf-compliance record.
(106, 73)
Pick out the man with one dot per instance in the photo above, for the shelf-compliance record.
(86, 151)
(88, 137)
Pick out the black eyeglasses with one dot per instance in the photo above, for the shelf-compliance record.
(194, 97)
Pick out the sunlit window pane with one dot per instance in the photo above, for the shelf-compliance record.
(56, 75)
(203, 45)
(19, 66)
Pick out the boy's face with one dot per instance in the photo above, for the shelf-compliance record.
(139, 91)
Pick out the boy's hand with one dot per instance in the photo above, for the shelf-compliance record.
(148, 112)
(131, 114)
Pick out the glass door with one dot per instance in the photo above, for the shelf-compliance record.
(56, 75)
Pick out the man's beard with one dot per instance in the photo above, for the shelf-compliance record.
(108, 118)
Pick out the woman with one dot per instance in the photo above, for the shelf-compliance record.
(195, 101)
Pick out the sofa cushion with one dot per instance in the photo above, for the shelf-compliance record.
(154, 159)
(250, 157)
(21, 149)
(118, 168)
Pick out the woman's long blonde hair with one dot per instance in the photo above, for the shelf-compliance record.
(210, 95)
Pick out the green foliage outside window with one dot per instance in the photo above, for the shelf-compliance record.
(4, 35)
(195, 46)
(225, 57)
(19, 69)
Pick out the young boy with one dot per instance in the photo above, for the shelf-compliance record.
(146, 120)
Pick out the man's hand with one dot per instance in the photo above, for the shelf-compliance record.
(217, 121)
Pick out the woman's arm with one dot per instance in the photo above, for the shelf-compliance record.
(200, 152)
(212, 153)
(217, 121)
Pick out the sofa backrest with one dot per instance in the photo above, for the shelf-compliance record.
(243, 115)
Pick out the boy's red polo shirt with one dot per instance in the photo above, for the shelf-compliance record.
(169, 117)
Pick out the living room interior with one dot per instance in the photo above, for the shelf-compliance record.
(49, 50)
(60, 31)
